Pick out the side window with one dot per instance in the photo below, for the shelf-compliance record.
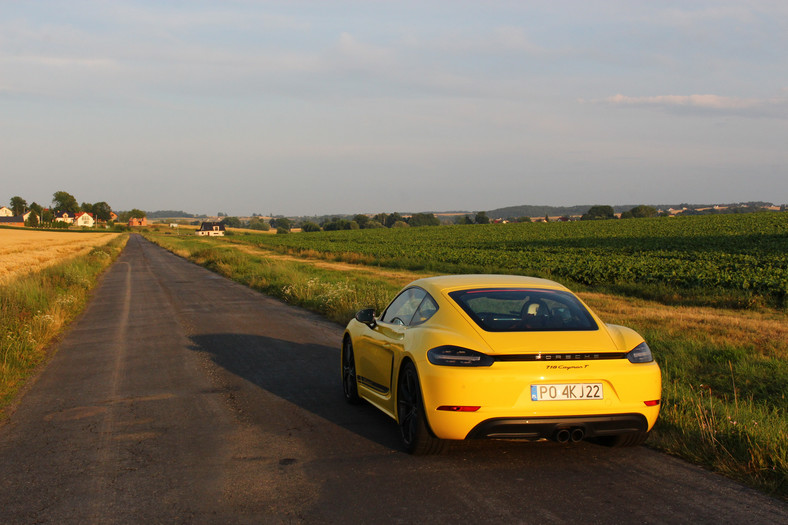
(402, 308)
(426, 310)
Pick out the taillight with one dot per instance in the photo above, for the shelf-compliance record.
(449, 355)
(640, 354)
(652, 403)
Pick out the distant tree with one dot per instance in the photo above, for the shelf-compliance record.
(36, 208)
(353, 225)
(523, 219)
(392, 218)
(599, 212)
(281, 222)
(372, 224)
(124, 216)
(362, 220)
(47, 217)
(232, 222)
(32, 220)
(336, 224)
(102, 211)
(400, 224)
(18, 205)
(258, 224)
(642, 211)
(424, 219)
(221, 214)
(63, 201)
(87, 207)
(465, 219)
(309, 226)
(282, 230)
(381, 218)
(481, 218)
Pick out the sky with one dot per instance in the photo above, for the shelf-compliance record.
(341, 107)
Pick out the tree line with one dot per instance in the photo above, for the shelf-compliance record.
(357, 222)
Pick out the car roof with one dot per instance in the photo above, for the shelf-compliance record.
(459, 282)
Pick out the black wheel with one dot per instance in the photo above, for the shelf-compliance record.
(630, 439)
(416, 435)
(349, 385)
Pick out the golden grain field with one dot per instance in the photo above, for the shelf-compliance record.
(25, 251)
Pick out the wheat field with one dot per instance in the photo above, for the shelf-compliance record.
(25, 251)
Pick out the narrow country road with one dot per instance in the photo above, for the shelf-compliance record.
(181, 397)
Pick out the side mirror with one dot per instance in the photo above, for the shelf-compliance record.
(366, 316)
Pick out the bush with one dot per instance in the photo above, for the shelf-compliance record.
(258, 224)
(599, 212)
(310, 226)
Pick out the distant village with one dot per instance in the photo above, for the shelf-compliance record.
(65, 212)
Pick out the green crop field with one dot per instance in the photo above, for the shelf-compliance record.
(739, 258)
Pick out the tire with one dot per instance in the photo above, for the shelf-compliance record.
(417, 438)
(349, 381)
(630, 439)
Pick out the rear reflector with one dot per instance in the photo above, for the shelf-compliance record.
(652, 403)
(456, 408)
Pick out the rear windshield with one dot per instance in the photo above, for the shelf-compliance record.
(524, 310)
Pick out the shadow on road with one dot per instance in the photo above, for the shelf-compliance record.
(307, 375)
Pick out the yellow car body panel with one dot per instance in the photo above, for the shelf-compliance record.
(502, 391)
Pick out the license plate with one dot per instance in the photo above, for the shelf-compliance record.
(566, 392)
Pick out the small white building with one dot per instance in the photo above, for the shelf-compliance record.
(84, 219)
(211, 229)
(64, 217)
(6, 212)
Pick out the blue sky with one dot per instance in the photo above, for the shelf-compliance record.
(322, 107)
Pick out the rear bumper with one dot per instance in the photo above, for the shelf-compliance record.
(549, 427)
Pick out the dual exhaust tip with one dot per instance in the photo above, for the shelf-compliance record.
(574, 434)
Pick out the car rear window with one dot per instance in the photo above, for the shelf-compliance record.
(524, 310)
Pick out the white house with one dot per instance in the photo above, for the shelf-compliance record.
(64, 217)
(6, 212)
(211, 229)
(84, 219)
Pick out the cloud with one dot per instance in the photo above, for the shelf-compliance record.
(776, 107)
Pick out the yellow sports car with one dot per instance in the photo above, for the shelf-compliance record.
(503, 357)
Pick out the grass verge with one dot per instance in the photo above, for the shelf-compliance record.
(35, 307)
(724, 370)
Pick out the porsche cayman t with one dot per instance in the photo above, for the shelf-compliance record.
(502, 357)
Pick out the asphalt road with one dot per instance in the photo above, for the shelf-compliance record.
(181, 397)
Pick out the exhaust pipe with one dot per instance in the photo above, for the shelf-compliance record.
(578, 434)
(563, 435)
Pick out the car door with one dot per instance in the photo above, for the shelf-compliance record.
(385, 341)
